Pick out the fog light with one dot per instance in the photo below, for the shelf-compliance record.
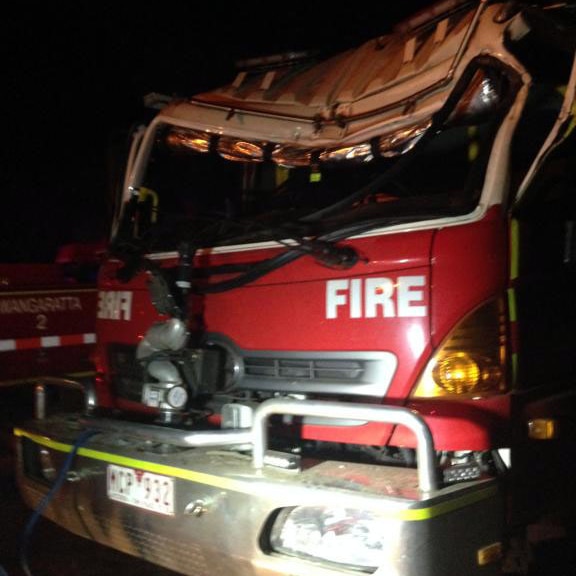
(359, 539)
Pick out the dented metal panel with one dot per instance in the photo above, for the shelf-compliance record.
(387, 83)
(217, 489)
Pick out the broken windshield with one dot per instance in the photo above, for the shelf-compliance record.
(233, 191)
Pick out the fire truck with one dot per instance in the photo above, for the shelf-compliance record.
(47, 317)
(335, 324)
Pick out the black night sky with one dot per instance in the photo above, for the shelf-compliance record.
(73, 76)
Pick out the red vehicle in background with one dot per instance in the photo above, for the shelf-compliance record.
(48, 316)
(335, 327)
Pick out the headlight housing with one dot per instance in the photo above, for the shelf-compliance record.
(471, 362)
(354, 538)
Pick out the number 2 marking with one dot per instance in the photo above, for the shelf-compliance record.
(41, 322)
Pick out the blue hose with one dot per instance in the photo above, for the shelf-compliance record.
(37, 513)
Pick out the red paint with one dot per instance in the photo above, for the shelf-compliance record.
(469, 267)
(463, 266)
(44, 301)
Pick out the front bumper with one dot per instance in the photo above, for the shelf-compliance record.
(224, 506)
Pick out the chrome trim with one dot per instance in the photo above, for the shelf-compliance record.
(257, 436)
(172, 436)
(40, 393)
(353, 373)
(474, 216)
(427, 477)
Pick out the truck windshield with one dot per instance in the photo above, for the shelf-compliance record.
(234, 191)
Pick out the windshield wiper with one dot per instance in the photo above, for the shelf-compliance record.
(324, 248)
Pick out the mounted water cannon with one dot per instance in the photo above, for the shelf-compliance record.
(167, 392)
(181, 371)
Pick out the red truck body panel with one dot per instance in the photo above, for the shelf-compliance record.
(46, 323)
(296, 308)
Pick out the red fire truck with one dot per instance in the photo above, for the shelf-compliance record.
(335, 330)
(47, 317)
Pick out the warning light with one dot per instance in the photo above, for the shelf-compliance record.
(542, 429)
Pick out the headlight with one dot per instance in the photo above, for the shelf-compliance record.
(472, 360)
(182, 139)
(240, 150)
(358, 539)
(403, 141)
(292, 156)
(358, 153)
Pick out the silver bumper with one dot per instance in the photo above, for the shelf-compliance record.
(226, 501)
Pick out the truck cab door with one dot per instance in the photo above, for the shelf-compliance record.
(543, 247)
(560, 130)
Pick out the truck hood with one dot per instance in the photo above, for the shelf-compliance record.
(306, 328)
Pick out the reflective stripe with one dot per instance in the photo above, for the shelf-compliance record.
(514, 249)
(7, 345)
(512, 308)
(512, 312)
(12, 344)
(50, 341)
(411, 515)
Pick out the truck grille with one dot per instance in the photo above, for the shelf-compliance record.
(305, 369)
(333, 373)
(352, 373)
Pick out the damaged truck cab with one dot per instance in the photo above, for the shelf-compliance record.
(334, 325)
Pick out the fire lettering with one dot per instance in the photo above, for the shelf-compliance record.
(114, 305)
(38, 305)
(377, 297)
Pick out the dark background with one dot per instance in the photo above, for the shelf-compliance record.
(73, 76)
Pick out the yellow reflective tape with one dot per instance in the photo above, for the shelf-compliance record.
(513, 316)
(514, 358)
(514, 249)
(281, 174)
(473, 146)
(448, 506)
(411, 515)
(143, 195)
(512, 309)
(184, 474)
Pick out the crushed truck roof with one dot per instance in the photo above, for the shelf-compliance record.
(398, 80)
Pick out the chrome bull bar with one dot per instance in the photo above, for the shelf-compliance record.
(427, 478)
(257, 435)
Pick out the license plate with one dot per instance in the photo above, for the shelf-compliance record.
(142, 489)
